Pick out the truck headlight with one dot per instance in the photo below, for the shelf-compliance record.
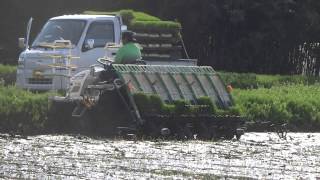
(21, 63)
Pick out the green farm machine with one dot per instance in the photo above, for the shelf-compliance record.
(152, 100)
(164, 96)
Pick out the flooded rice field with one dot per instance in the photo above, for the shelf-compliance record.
(256, 155)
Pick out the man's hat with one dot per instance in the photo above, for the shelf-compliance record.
(129, 35)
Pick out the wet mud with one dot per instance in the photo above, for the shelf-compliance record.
(256, 155)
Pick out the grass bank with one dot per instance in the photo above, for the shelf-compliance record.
(254, 81)
(296, 105)
(7, 74)
(22, 111)
(294, 100)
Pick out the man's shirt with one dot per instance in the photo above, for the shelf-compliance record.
(128, 53)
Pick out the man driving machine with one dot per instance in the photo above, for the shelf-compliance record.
(130, 52)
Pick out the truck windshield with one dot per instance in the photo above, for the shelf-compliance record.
(64, 29)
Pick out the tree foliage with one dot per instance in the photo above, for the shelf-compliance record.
(274, 36)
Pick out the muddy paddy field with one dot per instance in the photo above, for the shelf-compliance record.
(256, 155)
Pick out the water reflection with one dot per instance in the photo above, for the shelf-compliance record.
(256, 155)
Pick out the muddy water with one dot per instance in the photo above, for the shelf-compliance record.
(256, 155)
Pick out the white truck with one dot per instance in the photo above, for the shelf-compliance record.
(67, 45)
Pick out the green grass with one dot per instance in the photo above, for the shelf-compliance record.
(22, 110)
(292, 103)
(6, 69)
(297, 105)
(7, 74)
(254, 81)
(280, 99)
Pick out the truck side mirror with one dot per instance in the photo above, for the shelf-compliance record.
(21, 43)
(92, 70)
(124, 27)
(88, 44)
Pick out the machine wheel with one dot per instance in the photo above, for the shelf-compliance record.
(228, 134)
(59, 116)
(188, 131)
(183, 132)
(238, 136)
(85, 123)
(153, 129)
(203, 132)
(118, 82)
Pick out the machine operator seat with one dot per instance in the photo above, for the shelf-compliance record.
(134, 61)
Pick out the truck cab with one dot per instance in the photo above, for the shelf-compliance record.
(65, 46)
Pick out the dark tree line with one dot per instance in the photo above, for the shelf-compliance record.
(273, 36)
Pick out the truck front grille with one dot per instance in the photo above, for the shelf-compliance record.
(40, 80)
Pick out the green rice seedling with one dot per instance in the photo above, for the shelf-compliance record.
(168, 109)
(141, 16)
(127, 16)
(142, 101)
(148, 103)
(156, 25)
(254, 81)
(205, 100)
(234, 110)
(181, 107)
(140, 20)
(155, 102)
(302, 113)
(23, 111)
(297, 105)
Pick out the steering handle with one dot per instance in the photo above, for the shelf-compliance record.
(104, 61)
